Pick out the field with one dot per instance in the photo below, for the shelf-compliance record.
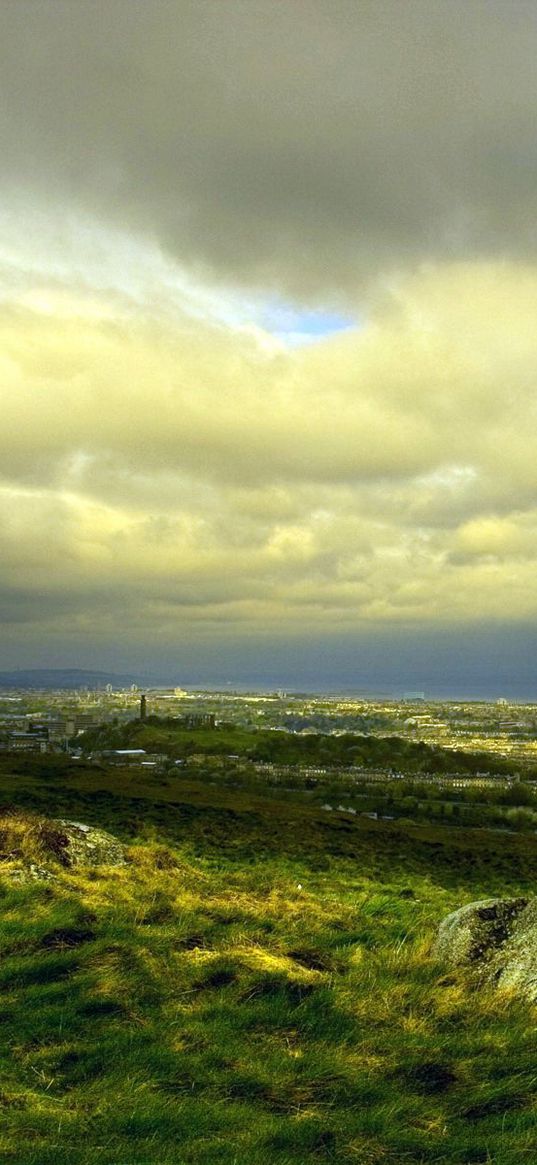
(254, 986)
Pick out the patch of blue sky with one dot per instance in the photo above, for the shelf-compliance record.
(294, 325)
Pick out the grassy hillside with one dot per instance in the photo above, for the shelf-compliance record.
(168, 735)
(254, 986)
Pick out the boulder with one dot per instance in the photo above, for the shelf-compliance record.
(476, 931)
(497, 939)
(89, 846)
(35, 843)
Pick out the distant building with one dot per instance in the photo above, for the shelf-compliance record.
(132, 756)
(27, 742)
(120, 756)
(198, 720)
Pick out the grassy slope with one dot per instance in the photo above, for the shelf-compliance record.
(198, 1007)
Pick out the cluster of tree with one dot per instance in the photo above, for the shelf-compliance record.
(326, 722)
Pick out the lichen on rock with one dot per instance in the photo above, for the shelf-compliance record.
(496, 939)
(89, 846)
(476, 931)
(30, 843)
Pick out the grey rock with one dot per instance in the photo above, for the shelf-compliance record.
(89, 846)
(496, 939)
(30, 873)
(477, 930)
(41, 846)
(517, 969)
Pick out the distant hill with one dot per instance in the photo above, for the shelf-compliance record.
(65, 678)
(172, 737)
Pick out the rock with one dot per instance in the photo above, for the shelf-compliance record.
(28, 873)
(89, 846)
(36, 845)
(497, 939)
(477, 930)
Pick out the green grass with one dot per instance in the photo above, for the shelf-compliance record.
(196, 1007)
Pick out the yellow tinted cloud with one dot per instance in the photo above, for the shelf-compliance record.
(179, 474)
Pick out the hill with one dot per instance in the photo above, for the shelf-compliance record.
(171, 736)
(253, 984)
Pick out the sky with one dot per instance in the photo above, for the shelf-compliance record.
(268, 343)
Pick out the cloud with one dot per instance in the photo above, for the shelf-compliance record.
(309, 148)
(192, 190)
(175, 479)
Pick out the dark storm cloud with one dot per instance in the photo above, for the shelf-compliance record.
(172, 475)
(307, 144)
